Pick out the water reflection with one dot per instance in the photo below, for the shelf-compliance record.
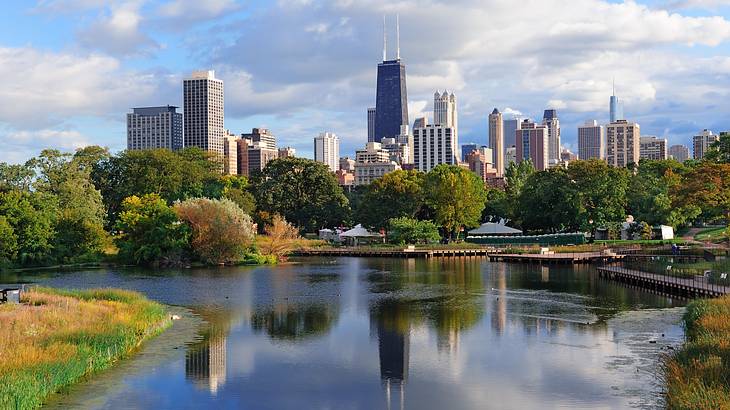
(205, 361)
(291, 322)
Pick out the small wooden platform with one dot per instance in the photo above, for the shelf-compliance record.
(557, 258)
(685, 287)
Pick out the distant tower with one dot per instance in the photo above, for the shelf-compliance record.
(616, 109)
(371, 124)
(391, 99)
(551, 121)
(591, 141)
(203, 112)
(496, 140)
(327, 150)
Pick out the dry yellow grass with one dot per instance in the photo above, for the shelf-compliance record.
(56, 337)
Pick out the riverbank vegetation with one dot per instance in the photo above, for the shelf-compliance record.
(55, 338)
(697, 375)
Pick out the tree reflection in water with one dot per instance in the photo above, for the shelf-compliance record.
(292, 322)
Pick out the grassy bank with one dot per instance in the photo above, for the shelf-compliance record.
(56, 337)
(698, 375)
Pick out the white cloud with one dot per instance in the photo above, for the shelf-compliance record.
(19, 145)
(194, 10)
(118, 31)
(45, 88)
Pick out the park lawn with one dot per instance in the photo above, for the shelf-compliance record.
(712, 235)
(55, 338)
(697, 375)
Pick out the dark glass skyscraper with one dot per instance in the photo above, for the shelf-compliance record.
(391, 100)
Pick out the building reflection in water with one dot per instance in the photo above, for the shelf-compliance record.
(499, 317)
(392, 321)
(205, 361)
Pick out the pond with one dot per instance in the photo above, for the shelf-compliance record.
(357, 333)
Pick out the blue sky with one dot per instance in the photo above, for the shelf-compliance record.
(71, 69)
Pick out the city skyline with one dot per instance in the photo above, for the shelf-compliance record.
(100, 61)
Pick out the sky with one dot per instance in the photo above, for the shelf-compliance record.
(70, 70)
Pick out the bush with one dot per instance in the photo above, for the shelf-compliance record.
(412, 231)
(280, 238)
(221, 231)
(150, 231)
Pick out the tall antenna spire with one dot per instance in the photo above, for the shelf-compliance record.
(613, 91)
(397, 35)
(385, 41)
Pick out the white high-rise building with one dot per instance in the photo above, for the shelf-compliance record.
(203, 111)
(496, 140)
(651, 147)
(434, 145)
(551, 121)
(230, 153)
(327, 150)
(622, 143)
(154, 127)
(444, 109)
(591, 141)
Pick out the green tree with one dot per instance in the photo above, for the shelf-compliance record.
(221, 231)
(394, 195)
(8, 243)
(650, 194)
(706, 188)
(80, 213)
(303, 191)
(31, 215)
(719, 150)
(150, 231)
(552, 187)
(497, 206)
(515, 177)
(236, 188)
(16, 177)
(173, 175)
(456, 196)
(601, 192)
(412, 231)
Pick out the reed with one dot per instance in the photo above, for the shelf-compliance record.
(698, 375)
(55, 338)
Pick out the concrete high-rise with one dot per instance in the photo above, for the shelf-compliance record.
(154, 127)
(679, 152)
(327, 150)
(496, 140)
(622, 143)
(255, 150)
(466, 149)
(203, 109)
(230, 154)
(651, 147)
(591, 141)
(551, 121)
(434, 145)
(701, 143)
(532, 143)
(371, 124)
(444, 109)
(391, 98)
(509, 127)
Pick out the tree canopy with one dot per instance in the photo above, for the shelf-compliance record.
(456, 196)
(394, 195)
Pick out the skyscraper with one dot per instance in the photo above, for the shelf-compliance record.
(155, 127)
(551, 121)
(391, 99)
(434, 145)
(203, 109)
(496, 140)
(679, 152)
(510, 126)
(701, 142)
(591, 141)
(327, 150)
(615, 107)
(651, 147)
(371, 124)
(622, 143)
(444, 109)
(532, 142)
(230, 154)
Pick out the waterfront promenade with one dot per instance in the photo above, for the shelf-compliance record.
(690, 287)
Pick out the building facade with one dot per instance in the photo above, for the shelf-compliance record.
(327, 150)
(510, 155)
(496, 140)
(287, 152)
(622, 143)
(591, 141)
(532, 143)
(367, 172)
(371, 124)
(702, 142)
(466, 149)
(480, 163)
(434, 145)
(551, 121)
(230, 154)
(679, 152)
(155, 127)
(391, 99)
(203, 111)
(444, 109)
(261, 137)
(653, 148)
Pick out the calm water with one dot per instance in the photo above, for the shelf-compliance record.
(355, 333)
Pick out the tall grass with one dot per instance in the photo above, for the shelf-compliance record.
(54, 338)
(698, 375)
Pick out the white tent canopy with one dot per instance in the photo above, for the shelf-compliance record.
(495, 229)
(359, 232)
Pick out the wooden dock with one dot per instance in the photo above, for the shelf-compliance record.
(557, 258)
(693, 287)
